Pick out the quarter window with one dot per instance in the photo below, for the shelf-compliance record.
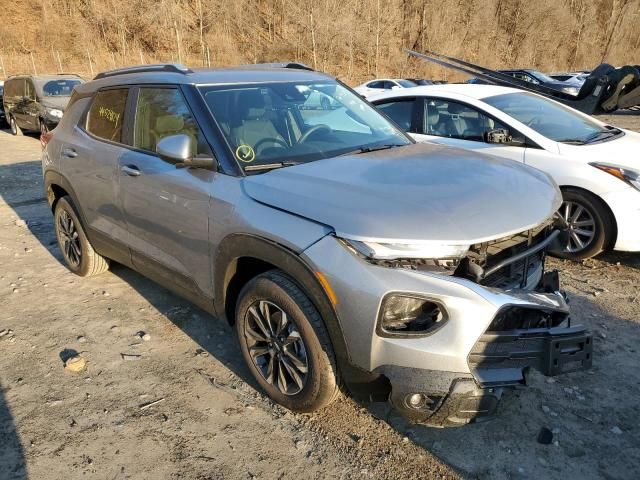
(161, 112)
(106, 114)
(456, 120)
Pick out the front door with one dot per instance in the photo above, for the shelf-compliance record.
(166, 207)
(457, 124)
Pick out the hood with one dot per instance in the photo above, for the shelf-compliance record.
(55, 102)
(622, 151)
(417, 193)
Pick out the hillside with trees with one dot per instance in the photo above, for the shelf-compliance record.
(353, 39)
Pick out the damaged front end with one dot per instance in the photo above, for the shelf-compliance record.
(533, 331)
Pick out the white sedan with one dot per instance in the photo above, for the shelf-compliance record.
(373, 87)
(596, 165)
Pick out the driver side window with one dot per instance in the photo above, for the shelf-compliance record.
(445, 118)
(161, 112)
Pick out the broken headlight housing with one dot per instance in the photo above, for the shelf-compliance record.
(406, 315)
(430, 256)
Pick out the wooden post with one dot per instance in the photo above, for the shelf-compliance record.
(59, 61)
(90, 65)
(4, 72)
(313, 42)
(208, 57)
(33, 64)
(141, 57)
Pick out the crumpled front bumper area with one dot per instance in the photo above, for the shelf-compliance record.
(501, 358)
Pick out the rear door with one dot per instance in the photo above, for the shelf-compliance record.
(15, 99)
(166, 207)
(89, 156)
(458, 124)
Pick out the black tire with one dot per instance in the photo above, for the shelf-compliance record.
(77, 251)
(602, 229)
(320, 385)
(15, 129)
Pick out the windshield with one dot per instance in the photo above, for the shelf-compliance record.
(59, 88)
(553, 120)
(290, 123)
(407, 83)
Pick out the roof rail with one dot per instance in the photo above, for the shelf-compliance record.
(293, 65)
(160, 67)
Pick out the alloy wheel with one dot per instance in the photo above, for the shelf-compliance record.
(276, 347)
(69, 239)
(581, 226)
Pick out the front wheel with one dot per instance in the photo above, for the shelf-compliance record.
(588, 225)
(285, 343)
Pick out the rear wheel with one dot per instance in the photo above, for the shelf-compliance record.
(285, 344)
(15, 129)
(588, 223)
(77, 251)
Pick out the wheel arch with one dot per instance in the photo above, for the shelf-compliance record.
(240, 257)
(611, 236)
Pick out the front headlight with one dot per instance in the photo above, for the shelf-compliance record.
(631, 177)
(404, 315)
(397, 251)
(571, 90)
(54, 112)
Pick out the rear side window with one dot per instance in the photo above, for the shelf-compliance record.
(14, 88)
(106, 114)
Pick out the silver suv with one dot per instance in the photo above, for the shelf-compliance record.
(344, 253)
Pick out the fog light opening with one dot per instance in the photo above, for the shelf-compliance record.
(416, 400)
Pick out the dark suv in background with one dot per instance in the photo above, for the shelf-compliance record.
(36, 103)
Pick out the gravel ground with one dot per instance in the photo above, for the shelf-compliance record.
(211, 422)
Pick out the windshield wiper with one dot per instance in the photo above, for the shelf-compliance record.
(602, 134)
(268, 166)
(572, 141)
(371, 149)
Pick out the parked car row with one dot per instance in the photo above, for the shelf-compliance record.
(342, 251)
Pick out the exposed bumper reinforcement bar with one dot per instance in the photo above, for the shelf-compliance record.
(502, 358)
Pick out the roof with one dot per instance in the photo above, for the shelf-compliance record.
(470, 90)
(229, 76)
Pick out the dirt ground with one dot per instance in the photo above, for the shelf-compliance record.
(211, 422)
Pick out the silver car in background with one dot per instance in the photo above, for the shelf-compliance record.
(343, 252)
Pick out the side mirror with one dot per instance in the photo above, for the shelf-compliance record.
(502, 136)
(499, 135)
(395, 87)
(177, 149)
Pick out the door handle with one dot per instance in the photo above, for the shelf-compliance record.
(131, 170)
(69, 152)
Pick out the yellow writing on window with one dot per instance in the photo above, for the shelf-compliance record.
(109, 115)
